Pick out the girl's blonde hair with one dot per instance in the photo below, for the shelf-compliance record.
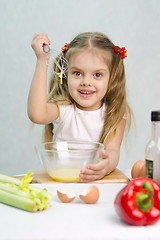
(115, 98)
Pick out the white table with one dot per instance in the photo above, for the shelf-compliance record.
(73, 221)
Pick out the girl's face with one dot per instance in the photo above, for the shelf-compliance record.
(88, 78)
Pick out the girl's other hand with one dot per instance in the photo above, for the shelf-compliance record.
(95, 171)
(39, 40)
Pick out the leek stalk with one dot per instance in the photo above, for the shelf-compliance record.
(21, 194)
(5, 178)
(17, 201)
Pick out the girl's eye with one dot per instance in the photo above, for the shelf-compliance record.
(77, 74)
(98, 75)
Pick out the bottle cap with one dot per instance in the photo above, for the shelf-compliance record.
(155, 116)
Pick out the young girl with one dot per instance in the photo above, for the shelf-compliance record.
(89, 104)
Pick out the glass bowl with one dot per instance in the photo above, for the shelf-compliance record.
(64, 160)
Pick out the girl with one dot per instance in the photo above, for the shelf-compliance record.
(90, 104)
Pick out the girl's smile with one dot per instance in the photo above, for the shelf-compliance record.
(86, 93)
(88, 79)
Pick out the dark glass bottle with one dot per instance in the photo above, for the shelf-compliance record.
(152, 152)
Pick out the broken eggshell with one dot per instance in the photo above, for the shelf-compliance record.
(90, 195)
(65, 195)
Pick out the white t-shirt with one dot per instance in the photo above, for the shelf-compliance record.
(76, 124)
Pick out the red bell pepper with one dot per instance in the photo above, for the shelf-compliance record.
(138, 203)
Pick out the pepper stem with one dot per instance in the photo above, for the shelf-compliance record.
(148, 186)
(144, 200)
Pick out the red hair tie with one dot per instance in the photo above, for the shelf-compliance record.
(122, 51)
(65, 48)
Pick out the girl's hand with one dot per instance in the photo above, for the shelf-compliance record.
(39, 40)
(110, 158)
(95, 171)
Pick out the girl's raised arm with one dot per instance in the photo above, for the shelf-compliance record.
(39, 111)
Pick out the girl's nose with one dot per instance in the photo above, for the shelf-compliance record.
(86, 81)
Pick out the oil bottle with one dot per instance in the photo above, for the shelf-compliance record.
(152, 152)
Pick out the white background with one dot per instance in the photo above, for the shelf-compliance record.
(134, 24)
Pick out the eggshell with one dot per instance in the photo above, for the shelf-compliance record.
(90, 195)
(65, 196)
(138, 169)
